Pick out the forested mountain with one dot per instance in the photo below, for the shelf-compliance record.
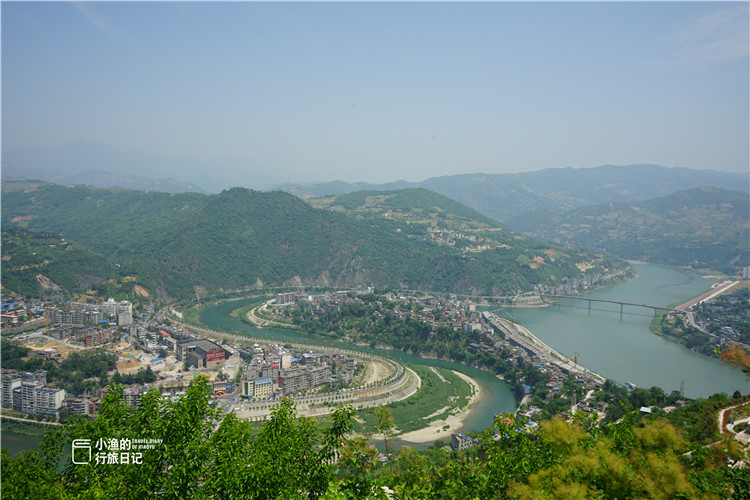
(412, 205)
(40, 264)
(178, 246)
(503, 196)
(701, 227)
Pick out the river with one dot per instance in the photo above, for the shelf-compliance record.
(624, 350)
(16, 442)
(496, 394)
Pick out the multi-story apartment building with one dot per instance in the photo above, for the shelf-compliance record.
(9, 383)
(291, 381)
(301, 379)
(79, 406)
(38, 399)
(75, 316)
(320, 375)
(271, 371)
(49, 400)
(262, 388)
(124, 318)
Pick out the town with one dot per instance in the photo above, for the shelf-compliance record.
(166, 356)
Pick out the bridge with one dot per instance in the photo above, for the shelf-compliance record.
(622, 304)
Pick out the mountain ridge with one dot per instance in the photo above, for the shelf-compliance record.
(503, 196)
(701, 227)
(176, 244)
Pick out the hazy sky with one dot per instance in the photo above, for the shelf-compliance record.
(383, 91)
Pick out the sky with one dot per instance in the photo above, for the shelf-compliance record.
(380, 91)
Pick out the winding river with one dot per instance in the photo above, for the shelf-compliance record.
(622, 349)
(497, 396)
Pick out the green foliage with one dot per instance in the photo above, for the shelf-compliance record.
(199, 453)
(44, 265)
(12, 352)
(377, 322)
(701, 227)
(140, 377)
(384, 422)
(178, 244)
(202, 454)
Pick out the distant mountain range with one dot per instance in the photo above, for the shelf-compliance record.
(706, 228)
(179, 246)
(504, 196)
(97, 164)
(498, 196)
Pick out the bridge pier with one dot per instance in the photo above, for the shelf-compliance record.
(621, 306)
(589, 305)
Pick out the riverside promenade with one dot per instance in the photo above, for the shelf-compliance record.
(522, 337)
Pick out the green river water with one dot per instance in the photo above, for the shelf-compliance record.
(622, 349)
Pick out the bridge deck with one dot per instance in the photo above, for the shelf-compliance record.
(590, 299)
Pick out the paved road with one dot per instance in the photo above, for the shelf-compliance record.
(522, 336)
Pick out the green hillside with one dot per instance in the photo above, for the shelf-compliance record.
(705, 228)
(44, 265)
(420, 214)
(412, 205)
(178, 246)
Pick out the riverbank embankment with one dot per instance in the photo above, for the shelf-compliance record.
(522, 337)
(718, 290)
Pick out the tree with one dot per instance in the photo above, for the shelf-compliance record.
(198, 453)
(384, 422)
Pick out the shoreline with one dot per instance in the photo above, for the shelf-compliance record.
(435, 430)
(524, 338)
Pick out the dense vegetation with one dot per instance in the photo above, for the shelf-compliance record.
(705, 228)
(681, 332)
(179, 246)
(45, 265)
(202, 454)
(380, 322)
(408, 204)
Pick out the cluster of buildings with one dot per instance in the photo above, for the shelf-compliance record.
(278, 370)
(448, 237)
(726, 316)
(28, 393)
(436, 311)
(86, 314)
(571, 285)
(341, 297)
(18, 310)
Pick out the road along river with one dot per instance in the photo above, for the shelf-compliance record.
(625, 350)
(496, 394)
